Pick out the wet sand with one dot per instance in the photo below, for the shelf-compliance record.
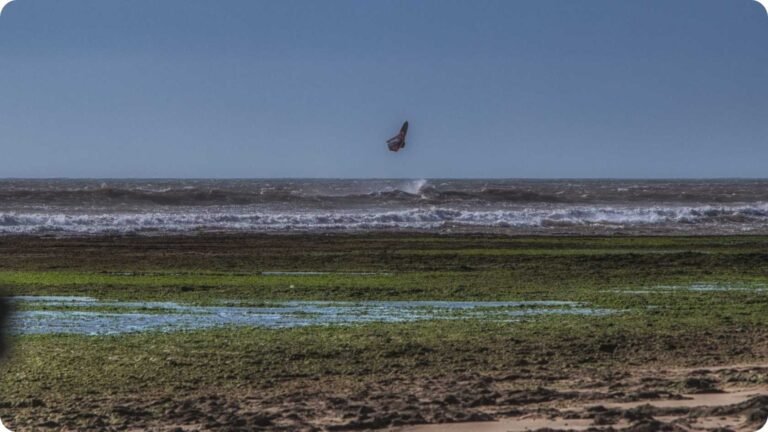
(731, 407)
(685, 417)
(637, 402)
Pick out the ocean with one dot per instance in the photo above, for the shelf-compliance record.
(517, 207)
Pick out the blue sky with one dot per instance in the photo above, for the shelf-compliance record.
(289, 88)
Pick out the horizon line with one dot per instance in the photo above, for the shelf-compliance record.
(393, 178)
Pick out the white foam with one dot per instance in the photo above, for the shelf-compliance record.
(746, 217)
(413, 187)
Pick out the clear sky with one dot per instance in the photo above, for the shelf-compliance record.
(289, 88)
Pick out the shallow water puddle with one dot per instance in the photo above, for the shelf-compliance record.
(696, 287)
(85, 315)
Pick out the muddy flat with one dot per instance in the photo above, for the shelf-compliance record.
(398, 332)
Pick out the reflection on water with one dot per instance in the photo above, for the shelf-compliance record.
(85, 315)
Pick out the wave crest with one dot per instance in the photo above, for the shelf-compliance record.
(737, 217)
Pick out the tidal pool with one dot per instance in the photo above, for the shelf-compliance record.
(89, 316)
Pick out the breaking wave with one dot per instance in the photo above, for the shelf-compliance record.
(413, 187)
(273, 205)
(727, 218)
